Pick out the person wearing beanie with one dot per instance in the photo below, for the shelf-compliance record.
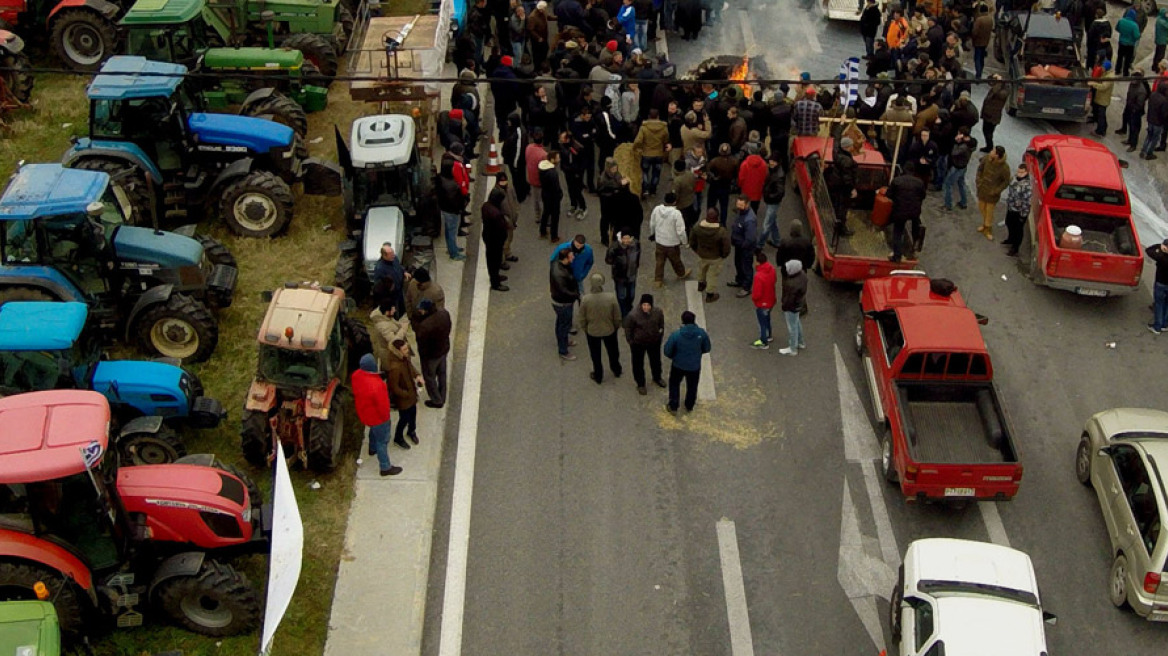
(685, 347)
(721, 173)
(710, 240)
(371, 397)
(600, 317)
(624, 256)
(421, 287)
(644, 330)
(1101, 98)
(762, 293)
(796, 246)
(536, 31)
(794, 305)
(805, 115)
(667, 231)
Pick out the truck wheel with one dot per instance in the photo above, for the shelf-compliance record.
(886, 463)
(159, 448)
(255, 438)
(319, 51)
(24, 294)
(1117, 582)
(218, 601)
(894, 601)
(281, 109)
(17, 581)
(216, 252)
(83, 39)
(182, 328)
(350, 275)
(129, 184)
(1035, 272)
(859, 337)
(16, 77)
(1083, 461)
(257, 205)
(345, 18)
(325, 437)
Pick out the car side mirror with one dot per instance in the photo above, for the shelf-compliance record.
(982, 319)
(872, 314)
(1050, 618)
(1105, 451)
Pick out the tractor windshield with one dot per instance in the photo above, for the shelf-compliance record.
(20, 244)
(26, 371)
(179, 44)
(74, 510)
(383, 187)
(293, 368)
(129, 119)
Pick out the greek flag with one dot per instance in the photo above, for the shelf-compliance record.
(849, 73)
(91, 454)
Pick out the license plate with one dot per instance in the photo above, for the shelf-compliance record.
(1053, 110)
(1085, 291)
(958, 491)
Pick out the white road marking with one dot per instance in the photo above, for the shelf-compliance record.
(993, 523)
(806, 30)
(741, 642)
(693, 299)
(884, 533)
(863, 577)
(454, 597)
(751, 46)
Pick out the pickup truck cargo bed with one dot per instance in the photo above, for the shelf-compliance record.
(954, 424)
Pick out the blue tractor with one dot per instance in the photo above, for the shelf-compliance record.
(62, 238)
(44, 346)
(174, 162)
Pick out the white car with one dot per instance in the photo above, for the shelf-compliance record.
(965, 598)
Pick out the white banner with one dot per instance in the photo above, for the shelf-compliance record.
(287, 551)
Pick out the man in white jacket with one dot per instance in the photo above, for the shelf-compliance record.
(667, 230)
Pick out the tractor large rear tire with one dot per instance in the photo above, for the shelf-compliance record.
(159, 448)
(17, 581)
(325, 437)
(348, 23)
(130, 181)
(357, 341)
(318, 50)
(17, 78)
(83, 39)
(255, 438)
(218, 601)
(350, 275)
(281, 109)
(257, 205)
(216, 252)
(180, 328)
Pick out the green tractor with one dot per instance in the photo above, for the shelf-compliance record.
(266, 82)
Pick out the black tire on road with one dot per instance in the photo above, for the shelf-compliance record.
(318, 50)
(182, 327)
(130, 181)
(325, 437)
(24, 294)
(255, 438)
(17, 78)
(257, 205)
(887, 464)
(83, 39)
(16, 583)
(281, 109)
(216, 252)
(894, 601)
(1117, 582)
(1083, 458)
(858, 337)
(217, 601)
(159, 448)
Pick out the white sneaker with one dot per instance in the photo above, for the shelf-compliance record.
(788, 351)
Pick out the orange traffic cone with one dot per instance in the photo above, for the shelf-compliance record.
(493, 165)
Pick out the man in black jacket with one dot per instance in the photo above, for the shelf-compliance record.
(1157, 121)
(552, 195)
(515, 142)
(565, 292)
(451, 202)
(795, 247)
(1133, 110)
(870, 20)
(644, 329)
(963, 147)
(841, 184)
(907, 193)
(494, 236)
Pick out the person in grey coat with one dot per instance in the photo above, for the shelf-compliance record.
(599, 319)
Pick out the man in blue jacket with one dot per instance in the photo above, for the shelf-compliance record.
(685, 347)
(582, 264)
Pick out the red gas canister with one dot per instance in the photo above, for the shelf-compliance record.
(881, 208)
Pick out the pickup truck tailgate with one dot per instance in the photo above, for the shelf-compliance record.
(1053, 101)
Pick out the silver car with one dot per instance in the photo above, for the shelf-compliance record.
(1123, 454)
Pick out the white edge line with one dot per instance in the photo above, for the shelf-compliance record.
(693, 300)
(993, 523)
(454, 595)
(884, 533)
(741, 642)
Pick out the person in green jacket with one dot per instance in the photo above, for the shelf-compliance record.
(1161, 38)
(1129, 37)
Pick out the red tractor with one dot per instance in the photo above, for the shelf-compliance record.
(82, 33)
(15, 79)
(111, 542)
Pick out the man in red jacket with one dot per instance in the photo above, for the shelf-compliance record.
(762, 292)
(752, 178)
(371, 396)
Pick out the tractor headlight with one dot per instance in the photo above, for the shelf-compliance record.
(247, 515)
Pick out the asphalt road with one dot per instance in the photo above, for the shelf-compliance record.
(602, 525)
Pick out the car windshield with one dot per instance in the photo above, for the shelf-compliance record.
(288, 367)
(939, 588)
(1136, 435)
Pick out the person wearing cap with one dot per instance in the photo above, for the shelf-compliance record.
(959, 157)
(644, 330)
(667, 231)
(1158, 253)
(721, 173)
(710, 241)
(1101, 98)
(685, 347)
(536, 33)
(552, 195)
(624, 256)
(371, 398)
(505, 89)
(600, 317)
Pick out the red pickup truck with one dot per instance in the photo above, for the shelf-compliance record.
(864, 253)
(946, 435)
(1078, 183)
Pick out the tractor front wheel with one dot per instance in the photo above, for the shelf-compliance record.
(325, 437)
(255, 438)
(357, 341)
(218, 601)
(281, 109)
(257, 205)
(182, 328)
(350, 275)
(216, 252)
(319, 51)
(159, 448)
(83, 39)
(18, 581)
(16, 77)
